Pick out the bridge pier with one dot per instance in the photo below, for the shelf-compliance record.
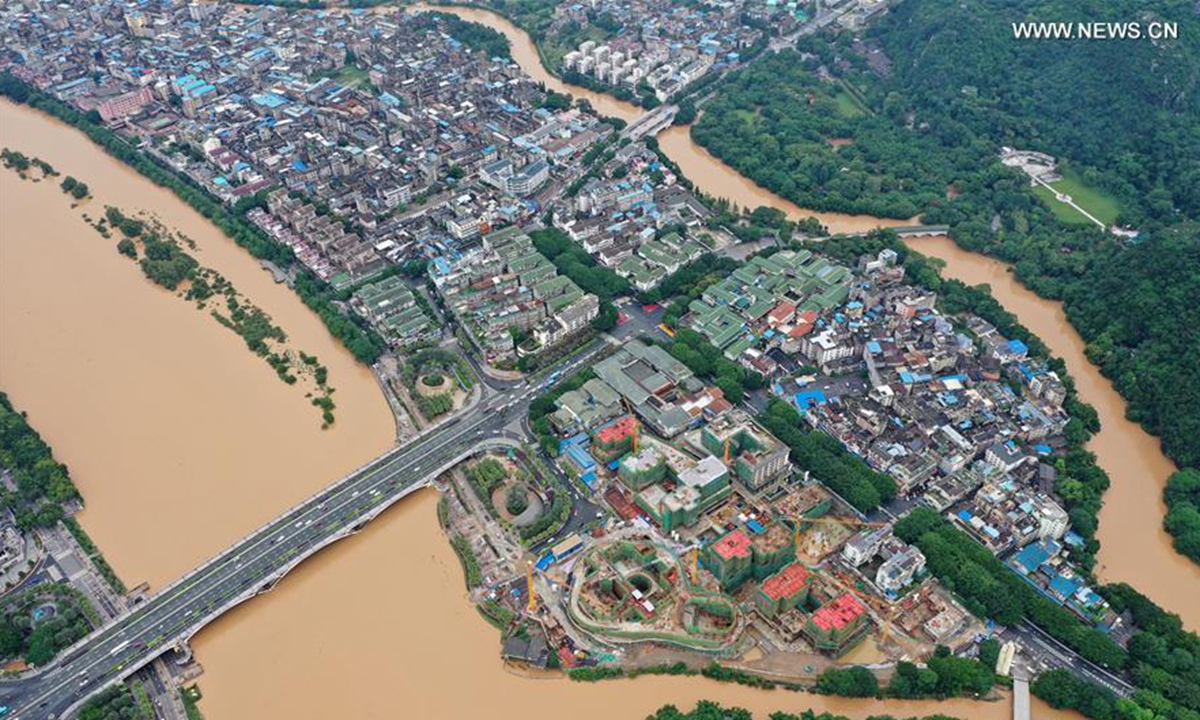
(1021, 706)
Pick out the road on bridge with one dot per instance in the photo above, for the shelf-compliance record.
(253, 564)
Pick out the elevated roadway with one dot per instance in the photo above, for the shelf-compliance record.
(651, 123)
(252, 565)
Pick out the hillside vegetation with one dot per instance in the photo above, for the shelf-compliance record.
(1123, 117)
(1130, 110)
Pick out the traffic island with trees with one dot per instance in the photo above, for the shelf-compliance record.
(38, 622)
(438, 381)
(124, 701)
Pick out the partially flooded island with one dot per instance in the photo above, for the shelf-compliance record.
(616, 428)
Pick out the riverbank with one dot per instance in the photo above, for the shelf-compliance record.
(178, 438)
(1133, 546)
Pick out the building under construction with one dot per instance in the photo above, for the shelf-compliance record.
(696, 489)
(838, 625)
(736, 557)
(756, 457)
(784, 591)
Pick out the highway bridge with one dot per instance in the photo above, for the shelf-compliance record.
(252, 565)
(902, 231)
(651, 123)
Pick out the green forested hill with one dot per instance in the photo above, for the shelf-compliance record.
(1128, 108)
(1140, 310)
(1122, 116)
(777, 117)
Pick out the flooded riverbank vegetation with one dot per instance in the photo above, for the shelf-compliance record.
(17, 160)
(356, 335)
(706, 710)
(43, 485)
(159, 253)
(1183, 511)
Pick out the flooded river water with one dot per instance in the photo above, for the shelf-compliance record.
(179, 437)
(181, 440)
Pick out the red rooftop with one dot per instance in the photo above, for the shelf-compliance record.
(786, 583)
(838, 613)
(735, 544)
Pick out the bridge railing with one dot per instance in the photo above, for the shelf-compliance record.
(342, 532)
(370, 465)
(257, 589)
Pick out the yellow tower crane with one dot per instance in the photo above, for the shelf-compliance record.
(529, 586)
(840, 521)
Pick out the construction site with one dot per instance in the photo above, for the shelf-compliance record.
(707, 548)
(632, 590)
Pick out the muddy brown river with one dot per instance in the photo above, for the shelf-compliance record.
(179, 437)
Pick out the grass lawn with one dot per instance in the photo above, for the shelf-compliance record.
(1096, 201)
(747, 116)
(847, 106)
(352, 75)
(348, 75)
